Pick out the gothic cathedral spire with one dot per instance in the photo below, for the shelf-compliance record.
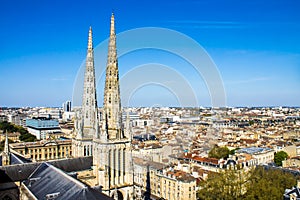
(86, 118)
(89, 100)
(112, 102)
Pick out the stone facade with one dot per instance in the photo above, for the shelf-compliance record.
(44, 150)
(153, 180)
(293, 162)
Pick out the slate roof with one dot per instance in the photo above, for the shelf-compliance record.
(18, 159)
(73, 164)
(48, 181)
(21, 172)
(15, 159)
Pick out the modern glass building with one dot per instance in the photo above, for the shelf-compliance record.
(42, 123)
(41, 126)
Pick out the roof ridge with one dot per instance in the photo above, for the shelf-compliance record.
(82, 185)
(35, 170)
(16, 157)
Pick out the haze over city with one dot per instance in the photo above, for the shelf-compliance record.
(255, 46)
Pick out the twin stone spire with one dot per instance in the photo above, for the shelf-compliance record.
(111, 119)
(100, 133)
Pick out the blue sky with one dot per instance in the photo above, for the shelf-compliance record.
(254, 44)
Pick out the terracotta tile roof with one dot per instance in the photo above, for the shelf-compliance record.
(201, 159)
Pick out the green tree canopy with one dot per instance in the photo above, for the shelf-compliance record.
(218, 152)
(226, 185)
(257, 183)
(27, 137)
(10, 128)
(279, 157)
(269, 184)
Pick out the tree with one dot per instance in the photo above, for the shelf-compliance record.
(227, 185)
(279, 157)
(218, 152)
(258, 183)
(10, 128)
(27, 137)
(232, 151)
(269, 183)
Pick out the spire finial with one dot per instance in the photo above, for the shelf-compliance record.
(90, 40)
(112, 24)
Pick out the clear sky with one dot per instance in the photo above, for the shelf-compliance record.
(254, 44)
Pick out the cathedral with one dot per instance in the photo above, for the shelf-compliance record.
(102, 134)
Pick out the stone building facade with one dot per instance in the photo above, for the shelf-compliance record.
(154, 180)
(44, 150)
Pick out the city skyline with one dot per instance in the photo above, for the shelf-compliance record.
(255, 47)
